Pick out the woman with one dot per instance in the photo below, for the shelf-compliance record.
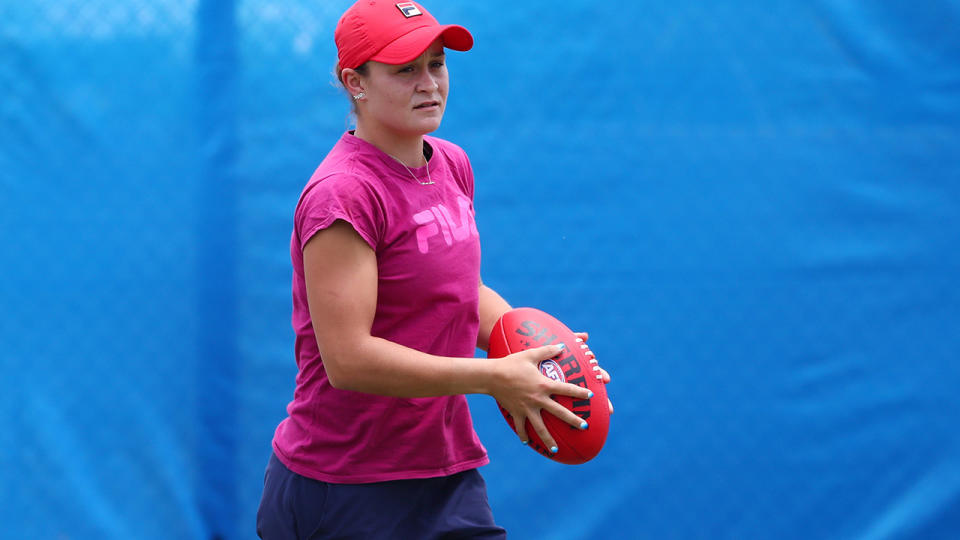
(388, 311)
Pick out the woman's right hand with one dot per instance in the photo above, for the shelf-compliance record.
(524, 392)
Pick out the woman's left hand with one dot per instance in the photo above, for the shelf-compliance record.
(604, 376)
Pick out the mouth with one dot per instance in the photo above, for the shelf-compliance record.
(428, 105)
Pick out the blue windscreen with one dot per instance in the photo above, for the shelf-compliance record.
(752, 207)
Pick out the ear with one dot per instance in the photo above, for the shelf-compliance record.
(352, 81)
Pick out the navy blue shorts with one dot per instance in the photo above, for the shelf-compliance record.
(296, 507)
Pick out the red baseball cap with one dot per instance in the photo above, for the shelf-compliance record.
(392, 33)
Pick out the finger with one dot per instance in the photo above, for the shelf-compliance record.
(571, 390)
(541, 429)
(610, 404)
(604, 376)
(566, 415)
(520, 426)
(582, 336)
(547, 351)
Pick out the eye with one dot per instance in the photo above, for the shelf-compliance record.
(436, 65)
(405, 69)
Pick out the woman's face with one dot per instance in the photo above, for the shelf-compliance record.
(407, 99)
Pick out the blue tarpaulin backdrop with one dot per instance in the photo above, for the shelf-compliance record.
(752, 206)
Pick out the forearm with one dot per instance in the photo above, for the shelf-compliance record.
(377, 366)
(492, 307)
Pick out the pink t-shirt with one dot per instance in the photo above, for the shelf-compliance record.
(428, 257)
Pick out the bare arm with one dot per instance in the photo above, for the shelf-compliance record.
(492, 307)
(341, 278)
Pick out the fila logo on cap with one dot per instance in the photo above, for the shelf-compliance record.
(409, 9)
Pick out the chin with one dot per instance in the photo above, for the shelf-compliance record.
(424, 128)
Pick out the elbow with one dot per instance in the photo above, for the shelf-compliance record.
(343, 374)
(337, 376)
(346, 365)
(334, 378)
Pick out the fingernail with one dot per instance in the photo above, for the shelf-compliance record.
(583, 425)
(524, 442)
(561, 346)
(553, 449)
(590, 395)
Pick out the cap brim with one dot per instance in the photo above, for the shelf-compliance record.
(411, 45)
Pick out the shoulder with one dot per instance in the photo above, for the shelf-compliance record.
(344, 180)
(336, 183)
(340, 195)
(447, 149)
(347, 171)
(350, 162)
(457, 160)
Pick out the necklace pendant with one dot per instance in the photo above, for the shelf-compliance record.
(421, 182)
(429, 181)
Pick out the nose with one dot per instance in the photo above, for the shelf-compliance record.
(428, 82)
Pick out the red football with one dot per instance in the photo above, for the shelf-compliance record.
(527, 328)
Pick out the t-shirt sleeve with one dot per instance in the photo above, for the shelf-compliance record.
(344, 197)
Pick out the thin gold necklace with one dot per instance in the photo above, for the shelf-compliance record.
(429, 180)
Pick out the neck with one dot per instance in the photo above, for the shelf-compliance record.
(409, 149)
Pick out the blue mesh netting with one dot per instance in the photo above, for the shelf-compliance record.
(754, 208)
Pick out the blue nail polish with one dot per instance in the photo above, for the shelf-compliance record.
(583, 425)
(524, 442)
(591, 394)
(553, 449)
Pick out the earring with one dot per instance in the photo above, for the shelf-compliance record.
(359, 96)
